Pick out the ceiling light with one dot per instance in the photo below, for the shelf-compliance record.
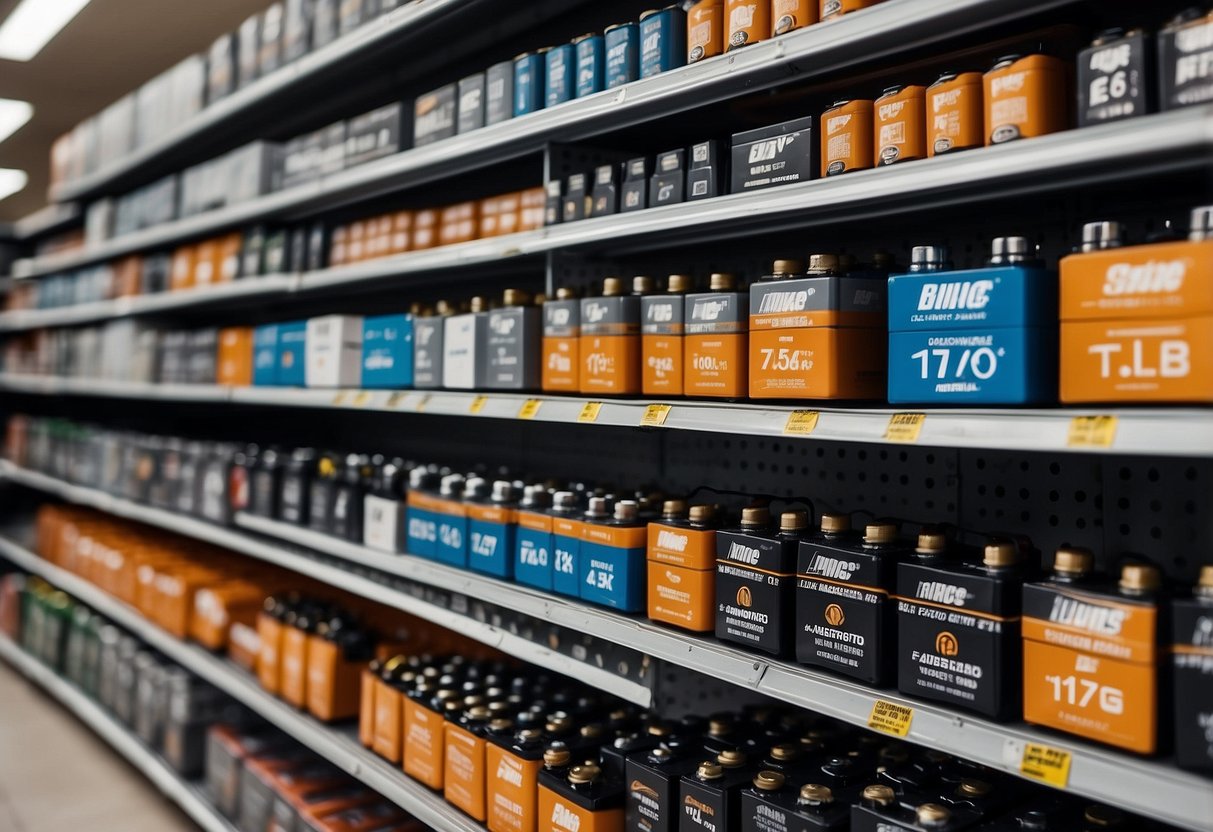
(11, 181)
(13, 115)
(32, 24)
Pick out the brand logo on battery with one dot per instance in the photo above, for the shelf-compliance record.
(565, 819)
(891, 110)
(509, 772)
(745, 554)
(1103, 620)
(559, 317)
(946, 99)
(1008, 83)
(1194, 38)
(834, 615)
(1112, 58)
(745, 598)
(973, 294)
(708, 310)
(947, 644)
(836, 123)
(672, 541)
(784, 301)
(841, 570)
(661, 312)
(770, 149)
(1153, 277)
(1202, 636)
(942, 593)
(595, 312)
(502, 324)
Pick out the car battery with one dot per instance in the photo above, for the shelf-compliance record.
(334, 351)
(958, 632)
(425, 507)
(257, 785)
(292, 354)
(434, 115)
(234, 365)
(424, 729)
(529, 83)
(661, 338)
(513, 760)
(1192, 673)
(612, 555)
(561, 343)
(591, 64)
(533, 539)
(845, 616)
(1137, 321)
(585, 799)
(663, 40)
(320, 491)
(604, 197)
(755, 573)
(711, 795)
(265, 487)
(336, 654)
(317, 800)
(227, 747)
(567, 510)
(881, 808)
(955, 116)
(789, 15)
(1025, 96)
(202, 361)
(428, 347)
(371, 136)
(1091, 654)
(295, 487)
(1185, 59)
(270, 629)
(383, 507)
(286, 789)
(560, 73)
(464, 740)
(499, 93)
(191, 707)
(470, 112)
(835, 8)
(746, 22)
(654, 777)
(773, 800)
(265, 356)
(900, 125)
(973, 336)
(575, 204)
(353, 481)
(705, 30)
(492, 525)
(681, 558)
(385, 685)
(298, 625)
(706, 172)
(621, 42)
(450, 545)
(716, 340)
(668, 183)
(464, 347)
(634, 193)
(553, 202)
(777, 155)
(819, 336)
(847, 137)
(609, 344)
(1116, 77)
(387, 351)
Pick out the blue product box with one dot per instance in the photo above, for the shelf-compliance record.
(451, 547)
(663, 40)
(421, 536)
(560, 67)
(591, 62)
(265, 356)
(973, 336)
(387, 351)
(529, 87)
(491, 532)
(292, 354)
(622, 45)
(612, 566)
(566, 555)
(533, 550)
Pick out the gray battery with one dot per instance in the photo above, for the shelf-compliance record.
(1185, 60)
(372, 135)
(604, 199)
(775, 155)
(427, 352)
(703, 179)
(634, 195)
(514, 344)
(434, 116)
(1114, 78)
(471, 103)
(669, 179)
(576, 198)
(499, 93)
(553, 203)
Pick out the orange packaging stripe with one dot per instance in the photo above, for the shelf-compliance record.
(491, 513)
(534, 521)
(1163, 280)
(566, 527)
(680, 546)
(428, 502)
(622, 537)
(817, 318)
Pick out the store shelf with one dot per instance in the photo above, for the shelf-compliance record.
(339, 745)
(191, 798)
(1177, 431)
(1098, 773)
(58, 216)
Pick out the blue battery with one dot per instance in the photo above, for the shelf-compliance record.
(533, 550)
(622, 44)
(974, 336)
(663, 40)
(566, 556)
(421, 535)
(491, 542)
(387, 351)
(528, 83)
(265, 356)
(612, 568)
(591, 62)
(560, 65)
(292, 354)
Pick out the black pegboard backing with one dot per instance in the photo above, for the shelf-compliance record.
(680, 691)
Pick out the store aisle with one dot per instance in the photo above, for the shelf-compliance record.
(56, 774)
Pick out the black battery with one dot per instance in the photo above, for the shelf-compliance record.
(668, 183)
(576, 198)
(320, 493)
(710, 797)
(1192, 663)
(434, 115)
(1115, 77)
(470, 114)
(553, 202)
(634, 194)
(775, 155)
(604, 199)
(349, 494)
(265, 485)
(881, 809)
(706, 172)
(653, 777)
(1185, 60)
(317, 248)
(755, 581)
(252, 252)
(296, 484)
(774, 801)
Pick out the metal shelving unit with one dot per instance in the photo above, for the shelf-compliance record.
(1102, 774)
(57, 216)
(192, 798)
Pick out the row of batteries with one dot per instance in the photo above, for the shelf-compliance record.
(1136, 325)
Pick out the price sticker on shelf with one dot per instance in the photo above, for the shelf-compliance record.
(423, 402)
(341, 398)
(589, 412)
(1046, 764)
(890, 718)
(655, 415)
(478, 404)
(801, 422)
(904, 427)
(396, 399)
(529, 409)
(362, 399)
(1091, 432)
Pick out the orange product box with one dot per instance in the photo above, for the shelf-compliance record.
(530, 211)
(553, 805)
(366, 704)
(355, 247)
(746, 22)
(610, 342)
(490, 213)
(511, 792)
(716, 343)
(334, 678)
(458, 223)
(235, 364)
(205, 257)
(379, 242)
(269, 655)
(561, 366)
(955, 115)
(662, 329)
(402, 232)
(463, 784)
(425, 229)
(387, 739)
(339, 248)
(424, 743)
(705, 30)
(244, 646)
(685, 598)
(293, 684)
(1025, 97)
(900, 124)
(228, 254)
(217, 608)
(846, 137)
(181, 270)
(509, 208)
(128, 276)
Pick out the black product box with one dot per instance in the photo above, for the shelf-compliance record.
(174, 357)
(276, 259)
(434, 115)
(755, 579)
(783, 808)
(703, 179)
(553, 204)
(332, 148)
(372, 135)
(252, 252)
(499, 93)
(296, 29)
(1185, 61)
(669, 178)
(713, 805)
(576, 197)
(653, 777)
(317, 248)
(248, 49)
(269, 56)
(203, 351)
(1115, 78)
(471, 103)
(604, 199)
(775, 155)
(1193, 681)
(154, 273)
(635, 192)
(905, 813)
(221, 69)
(298, 244)
(324, 22)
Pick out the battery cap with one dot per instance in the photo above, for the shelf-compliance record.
(1005, 61)
(793, 521)
(928, 258)
(586, 36)
(931, 543)
(480, 304)
(1073, 560)
(476, 488)
(1102, 817)
(627, 510)
(882, 259)
(1101, 235)
(673, 509)
(722, 282)
(768, 781)
(999, 554)
(709, 770)
(612, 287)
(677, 284)
(597, 507)
(822, 263)
(880, 533)
(1005, 250)
(731, 758)
(566, 293)
(452, 484)
(590, 730)
(501, 724)
(755, 516)
(584, 773)
(1204, 584)
(878, 795)
(504, 491)
(815, 794)
(528, 735)
(564, 499)
(555, 755)
(1139, 577)
(648, 13)
(973, 788)
(444, 308)
(784, 751)
(720, 726)
(515, 297)
(932, 815)
(642, 285)
(787, 268)
(835, 523)
(1200, 224)
(702, 514)
(1108, 35)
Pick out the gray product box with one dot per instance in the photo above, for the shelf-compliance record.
(798, 299)
(662, 314)
(499, 93)
(514, 346)
(703, 179)
(553, 202)
(296, 29)
(777, 155)
(434, 115)
(576, 198)
(269, 56)
(669, 179)
(634, 195)
(174, 357)
(604, 316)
(427, 352)
(471, 103)
(604, 199)
(372, 135)
(332, 148)
(202, 356)
(221, 70)
(248, 37)
(324, 22)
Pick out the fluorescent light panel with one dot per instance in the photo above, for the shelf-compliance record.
(11, 181)
(13, 116)
(33, 24)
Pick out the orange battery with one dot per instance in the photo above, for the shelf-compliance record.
(366, 704)
(513, 761)
(561, 343)
(705, 30)
(787, 15)
(746, 22)
(235, 364)
(402, 232)
(1025, 97)
(661, 338)
(334, 679)
(834, 8)
(355, 251)
(424, 740)
(425, 229)
(559, 811)
(228, 253)
(900, 115)
(269, 655)
(293, 684)
(681, 557)
(206, 254)
(955, 116)
(339, 250)
(509, 213)
(716, 344)
(609, 345)
(846, 137)
(181, 272)
(387, 718)
(128, 275)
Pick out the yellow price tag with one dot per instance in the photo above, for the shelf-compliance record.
(589, 412)
(478, 404)
(801, 422)
(362, 399)
(655, 415)
(890, 718)
(425, 400)
(1091, 432)
(529, 408)
(1046, 764)
(396, 398)
(904, 427)
(340, 398)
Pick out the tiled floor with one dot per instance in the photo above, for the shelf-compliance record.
(56, 775)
